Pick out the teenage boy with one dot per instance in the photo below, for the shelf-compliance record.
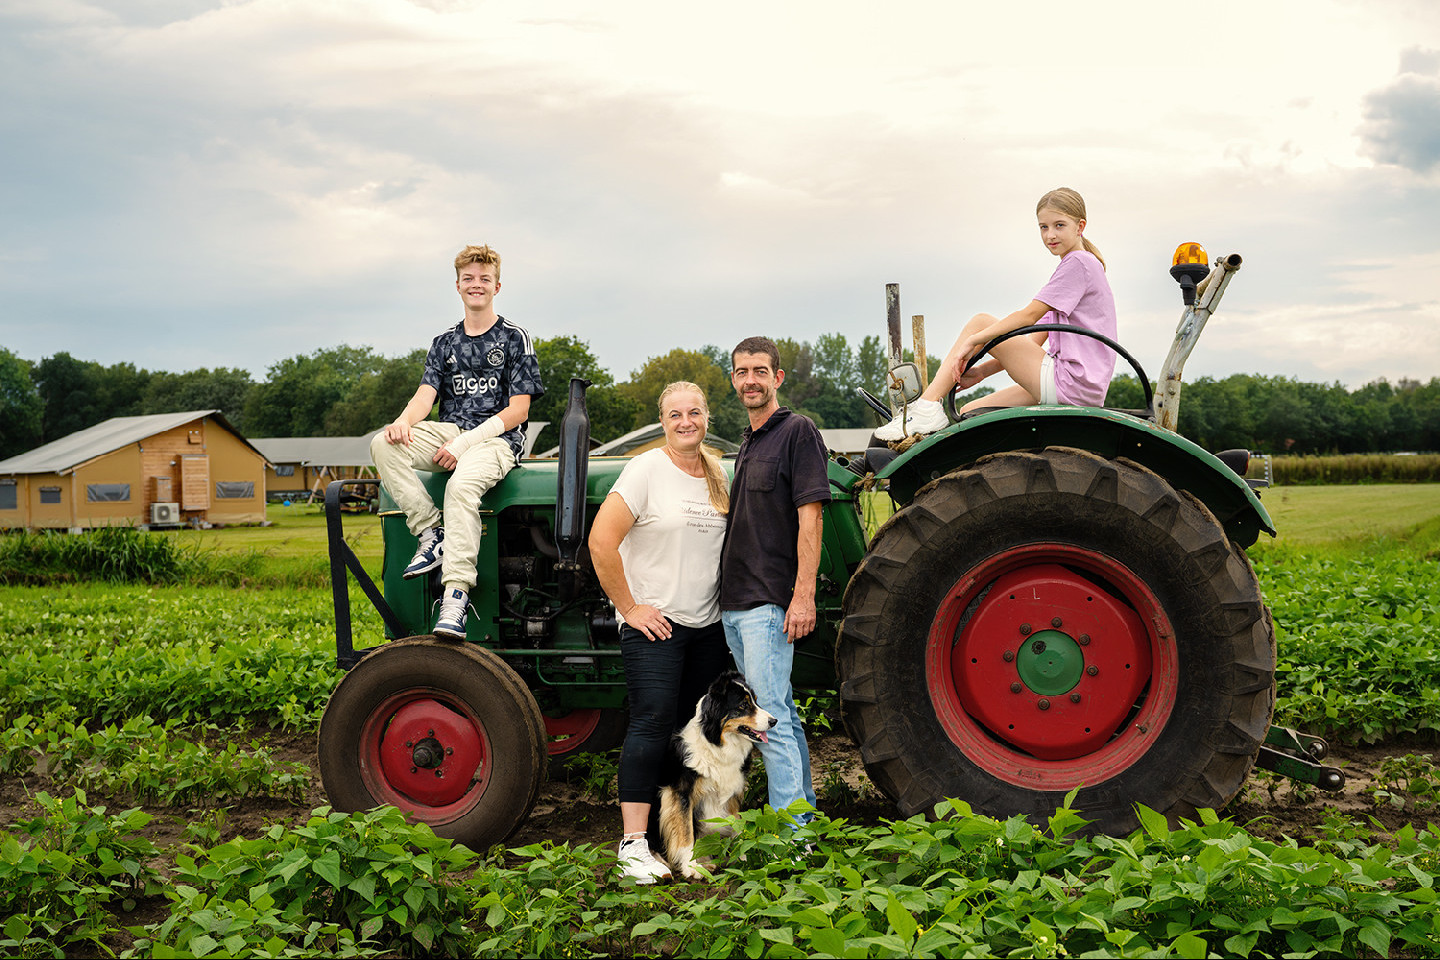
(770, 557)
(484, 373)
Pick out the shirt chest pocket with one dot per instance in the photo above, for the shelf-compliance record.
(760, 474)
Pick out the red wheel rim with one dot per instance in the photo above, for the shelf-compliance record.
(1036, 736)
(568, 733)
(426, 752)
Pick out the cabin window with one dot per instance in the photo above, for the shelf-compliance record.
(50, 495)
(285, 470)
(234, 489)
(107, 492)
(9, 500)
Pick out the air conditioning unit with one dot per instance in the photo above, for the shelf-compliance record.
(161, 513)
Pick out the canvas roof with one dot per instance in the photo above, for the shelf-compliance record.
(847, 439)
(343, 451)
(651, 431)
(82, 446)
(320, 451)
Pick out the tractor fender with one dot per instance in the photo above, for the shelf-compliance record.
(1106, 433)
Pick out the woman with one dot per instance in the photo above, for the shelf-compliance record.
(656, 546)
(1054, 368)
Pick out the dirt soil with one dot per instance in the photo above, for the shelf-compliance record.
(575, 809)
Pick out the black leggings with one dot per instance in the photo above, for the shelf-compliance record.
(665, 679)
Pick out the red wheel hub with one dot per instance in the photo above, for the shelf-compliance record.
(425, 752)
(568, 733)
(1052, 666)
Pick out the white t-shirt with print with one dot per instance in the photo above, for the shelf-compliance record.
(672, 553)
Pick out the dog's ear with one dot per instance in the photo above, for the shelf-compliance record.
(711, 712)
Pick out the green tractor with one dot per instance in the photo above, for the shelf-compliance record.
(1061, 601)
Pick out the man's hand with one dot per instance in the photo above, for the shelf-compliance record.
(799, 618)
(445, 459)
(398, 432)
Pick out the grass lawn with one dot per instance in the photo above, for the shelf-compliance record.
(1307, 515)
(295, 538)
(1303, 515)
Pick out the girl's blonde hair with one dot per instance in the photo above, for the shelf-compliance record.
(1071, 204)
(715, 482)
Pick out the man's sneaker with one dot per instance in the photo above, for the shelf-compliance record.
(453, 607)
(428, 556)
(919, 416)
(639, 864)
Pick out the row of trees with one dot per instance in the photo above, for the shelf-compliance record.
(349, 391)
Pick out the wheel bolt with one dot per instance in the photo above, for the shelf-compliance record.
(430, 734)
(1092, 670)
(1043, 704)
(449, 750)
(1074, 698)
(439, 773)
(409, 743)
(1008, 655)
(1083, 639)
(1055, 622)
(1015, 687)
(1024, 629)
(414, 769)
(1038, 646)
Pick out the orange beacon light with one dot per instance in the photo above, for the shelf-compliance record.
(1189, 266)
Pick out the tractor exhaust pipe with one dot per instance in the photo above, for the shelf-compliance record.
(570, 490)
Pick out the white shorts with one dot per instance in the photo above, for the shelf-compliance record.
(1047, 380)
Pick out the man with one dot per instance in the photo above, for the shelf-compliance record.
(770, 557)
(484, 373)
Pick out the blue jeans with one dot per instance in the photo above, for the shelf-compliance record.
(757, 642)
(665, 680)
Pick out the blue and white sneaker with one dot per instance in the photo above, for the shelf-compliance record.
(429, 555)
(453, 608)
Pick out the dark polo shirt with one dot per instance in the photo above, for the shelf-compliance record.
(780, 467)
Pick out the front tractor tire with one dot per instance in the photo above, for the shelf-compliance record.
(1041, 622)
(446, 732)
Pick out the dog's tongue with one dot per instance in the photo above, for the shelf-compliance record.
(762, 736)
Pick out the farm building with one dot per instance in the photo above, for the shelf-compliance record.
(648, 437)
(160, 469)
(300, 467)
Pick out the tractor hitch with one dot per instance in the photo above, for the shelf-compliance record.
(1292, 754)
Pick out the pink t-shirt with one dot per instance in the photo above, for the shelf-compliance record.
(1079, 294)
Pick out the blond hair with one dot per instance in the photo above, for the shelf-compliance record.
(1071, 204)
(483, 255)
(715, 482)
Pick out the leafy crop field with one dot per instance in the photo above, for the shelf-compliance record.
(159, 799)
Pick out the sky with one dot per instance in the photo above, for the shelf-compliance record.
(193, 183)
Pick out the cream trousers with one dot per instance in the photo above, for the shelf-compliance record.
(477, 470)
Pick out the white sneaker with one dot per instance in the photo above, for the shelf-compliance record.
(919, 416)
(453, 606)
(639, 864)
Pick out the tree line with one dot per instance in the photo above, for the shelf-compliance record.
(350, 391)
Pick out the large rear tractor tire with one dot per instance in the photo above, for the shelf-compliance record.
(445, 731)
(1041, 622)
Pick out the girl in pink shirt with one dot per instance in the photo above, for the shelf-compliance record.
(1046, 368)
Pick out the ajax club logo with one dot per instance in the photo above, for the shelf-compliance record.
(495, 357)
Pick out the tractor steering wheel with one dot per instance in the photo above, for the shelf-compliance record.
(1149, 409)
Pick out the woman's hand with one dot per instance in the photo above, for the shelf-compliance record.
(648, 621)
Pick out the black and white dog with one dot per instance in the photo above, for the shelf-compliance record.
(713, 750)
